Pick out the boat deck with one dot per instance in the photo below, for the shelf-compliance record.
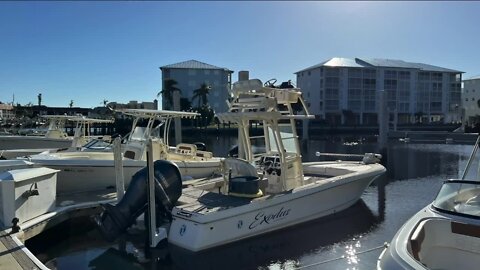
(201, 201)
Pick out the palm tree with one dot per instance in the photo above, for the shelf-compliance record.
(105, 103)
(71, 103)
(201, 94)
(167, 91)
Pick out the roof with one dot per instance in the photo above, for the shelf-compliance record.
(193, 64)
(378, 62)
(473, 78)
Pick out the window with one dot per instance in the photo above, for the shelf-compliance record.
(309, 73)
(390, 74)
(436, 76)
(404, 75)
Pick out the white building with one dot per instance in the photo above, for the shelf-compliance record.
(6, 112)
(133, 104)
(471, 100)
(346, 90)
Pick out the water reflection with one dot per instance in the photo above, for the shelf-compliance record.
(281, 249)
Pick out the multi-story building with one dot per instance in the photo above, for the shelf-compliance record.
(133, 104)
(190, 75)
(471, 100)
(345, 90)
(6, 111)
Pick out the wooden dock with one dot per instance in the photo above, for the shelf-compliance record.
(13, 253)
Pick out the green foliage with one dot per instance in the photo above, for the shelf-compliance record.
(201, 94)
(206, 115)
(167, 91)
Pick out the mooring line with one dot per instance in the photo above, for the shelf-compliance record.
(342, 257)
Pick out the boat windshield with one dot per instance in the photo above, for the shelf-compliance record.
(459, 197)
(287, 137)
(141, 133)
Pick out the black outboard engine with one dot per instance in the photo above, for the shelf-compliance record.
(116, 219)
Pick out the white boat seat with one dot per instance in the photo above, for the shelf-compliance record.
(444, 244)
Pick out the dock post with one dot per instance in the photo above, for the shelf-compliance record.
(383, 119)
(118, 160)
(151, 195)
(305, 126)
(178, 123)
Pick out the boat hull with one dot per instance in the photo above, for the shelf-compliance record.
(32, 142)
(195, 231)
(86, 175)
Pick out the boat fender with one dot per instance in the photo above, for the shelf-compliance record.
(114, 220)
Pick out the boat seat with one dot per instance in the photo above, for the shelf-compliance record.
(445, 244)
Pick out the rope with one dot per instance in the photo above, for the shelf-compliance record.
(343, 257)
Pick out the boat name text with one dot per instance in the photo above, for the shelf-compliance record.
(267, 218)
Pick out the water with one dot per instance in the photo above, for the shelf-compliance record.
(349, 240)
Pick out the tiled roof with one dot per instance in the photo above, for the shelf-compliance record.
(192, 64)
(376, 62)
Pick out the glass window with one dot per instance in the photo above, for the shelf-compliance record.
(459, 197)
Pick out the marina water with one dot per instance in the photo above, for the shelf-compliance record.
(351, 239)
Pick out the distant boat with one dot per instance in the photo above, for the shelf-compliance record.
(87, 169)
(55, 138)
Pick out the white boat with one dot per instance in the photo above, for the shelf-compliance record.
(55, 138)
(443, 235)
(268, 191)
(94, 170)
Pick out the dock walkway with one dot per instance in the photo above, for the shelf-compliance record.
(13, 253)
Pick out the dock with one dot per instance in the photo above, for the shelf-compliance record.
(15, 255)
(434, 136)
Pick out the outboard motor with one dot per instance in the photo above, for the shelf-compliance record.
(116, 219)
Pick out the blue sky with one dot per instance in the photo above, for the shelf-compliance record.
(91, 51)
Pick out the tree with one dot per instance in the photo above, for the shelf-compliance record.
(39, 99)
(105, 102)
(206, 115)
(185, 104)
(201, 94)
(167, 91)
(71, 103)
